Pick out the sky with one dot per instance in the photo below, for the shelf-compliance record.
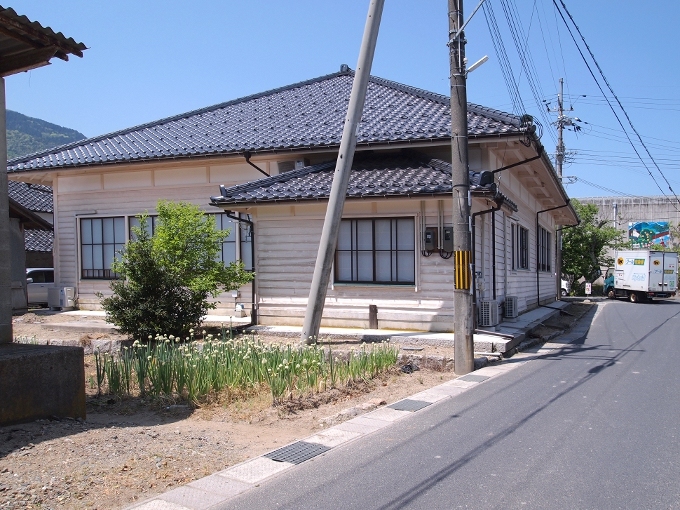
(151, 59)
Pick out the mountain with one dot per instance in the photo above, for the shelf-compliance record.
(26, 135)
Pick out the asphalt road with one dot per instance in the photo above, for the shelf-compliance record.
(591, 426)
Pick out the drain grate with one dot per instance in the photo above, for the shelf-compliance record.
(297, 453)
(473, 378)
(409, 405)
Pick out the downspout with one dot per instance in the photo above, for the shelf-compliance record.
(253, 306)
(474, 251)
(538, 273)
(246, 155)
(493, 253)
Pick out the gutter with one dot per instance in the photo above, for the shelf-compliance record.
(253, 309)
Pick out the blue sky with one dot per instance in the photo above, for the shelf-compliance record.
(152, 59)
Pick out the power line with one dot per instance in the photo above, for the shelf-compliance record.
(615, 97)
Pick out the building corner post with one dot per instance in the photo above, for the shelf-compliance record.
(5, 258)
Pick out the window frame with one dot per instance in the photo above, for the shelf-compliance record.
(544, 250)
(520, 248)
(244, 237)
(96, 273)
(395, 253)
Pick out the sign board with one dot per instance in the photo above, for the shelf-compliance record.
(589, 289)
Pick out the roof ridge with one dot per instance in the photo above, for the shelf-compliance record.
(179, 116)
(291, 174)
(486, 110)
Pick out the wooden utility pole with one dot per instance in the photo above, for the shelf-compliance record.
(343, 170)
(463, 322)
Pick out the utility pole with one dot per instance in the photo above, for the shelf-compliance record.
(343, 170)
(562, 121)
(463, 323)
(559, 158)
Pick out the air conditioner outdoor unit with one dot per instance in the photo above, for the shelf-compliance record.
(61, 298)
(511, 307)
(488, 313)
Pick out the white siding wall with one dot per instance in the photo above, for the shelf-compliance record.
(127, 193)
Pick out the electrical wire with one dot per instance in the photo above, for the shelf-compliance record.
(616, 98)
(518, 107)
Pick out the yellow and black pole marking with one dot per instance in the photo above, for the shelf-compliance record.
(462, 269)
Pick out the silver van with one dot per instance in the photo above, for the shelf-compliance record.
(38, 280)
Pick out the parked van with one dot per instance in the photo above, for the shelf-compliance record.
(38, 280)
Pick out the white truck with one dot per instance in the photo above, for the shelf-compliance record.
(641, 275)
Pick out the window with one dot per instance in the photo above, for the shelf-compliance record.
(376, 251)
(520, 247)
(151, 222)
(100, 241)
(102, 238)
(231, 250)
(544, 252)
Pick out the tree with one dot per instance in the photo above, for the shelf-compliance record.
(585, 246)
(164, 281)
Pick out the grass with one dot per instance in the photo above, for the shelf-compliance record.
(197, 371)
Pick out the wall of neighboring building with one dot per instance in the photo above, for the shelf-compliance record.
(17, 266)
(620, 211)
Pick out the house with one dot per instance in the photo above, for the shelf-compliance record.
(21, 220)
(273, 153)
(37, 242)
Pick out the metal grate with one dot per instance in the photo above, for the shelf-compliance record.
(297, 453)
(473, 378)
(409, 405)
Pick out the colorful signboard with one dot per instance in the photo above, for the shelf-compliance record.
(646, 234)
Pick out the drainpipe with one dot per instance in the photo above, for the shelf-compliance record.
(516, 164)
(246, 155)
(253, 308)
(493, 253)
(474, 251)
(538, 273)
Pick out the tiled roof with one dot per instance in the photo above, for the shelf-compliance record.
(305, 115)
(399, 175)
(34, 197)
(35, 35)
(38, 240)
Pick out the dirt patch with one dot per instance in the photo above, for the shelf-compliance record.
(132, 449)
(135, 448)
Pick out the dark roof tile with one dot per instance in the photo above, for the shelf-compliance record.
(38, 240)
(34, 197)
(304, 115)
(409, 174)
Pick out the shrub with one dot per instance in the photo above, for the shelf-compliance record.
(165, 280)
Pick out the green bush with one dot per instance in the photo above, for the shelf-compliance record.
(165, 280)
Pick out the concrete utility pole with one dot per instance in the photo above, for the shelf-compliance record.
(562, 121)
(559, 158)
(463, 323)
(343, 170)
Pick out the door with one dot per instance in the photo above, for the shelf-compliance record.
(656, 276)
(670, 268)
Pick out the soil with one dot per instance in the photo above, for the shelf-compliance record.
(132, 449)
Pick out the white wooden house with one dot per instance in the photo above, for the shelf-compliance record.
(101, 184)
